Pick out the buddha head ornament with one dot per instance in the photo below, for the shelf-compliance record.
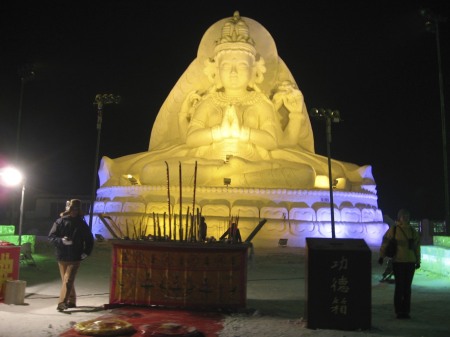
(235, 38)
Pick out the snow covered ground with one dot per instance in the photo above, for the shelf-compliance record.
(275, 299)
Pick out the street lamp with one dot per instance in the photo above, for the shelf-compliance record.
(100, 101)
(330, 116)
(10, 177)
(26, 74)
(432, 21)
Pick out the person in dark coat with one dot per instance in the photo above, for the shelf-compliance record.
(73, 242)
(404, 263)
(232, 234)
(202, 229)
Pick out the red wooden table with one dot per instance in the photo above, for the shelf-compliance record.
(179, 274)
(9, 266)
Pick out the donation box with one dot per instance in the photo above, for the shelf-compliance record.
(338, 284)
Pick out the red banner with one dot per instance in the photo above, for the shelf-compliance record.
(9, 266)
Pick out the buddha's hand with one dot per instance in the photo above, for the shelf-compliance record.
(244, 134)
(223, 130)
(225, 125)
(288, 95)
(191, 101)
(188, 107)
(232, 122)
(277, 99)
(293, 101)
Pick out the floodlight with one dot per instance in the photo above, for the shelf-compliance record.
(11, 176)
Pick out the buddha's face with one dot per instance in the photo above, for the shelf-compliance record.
(235, 69)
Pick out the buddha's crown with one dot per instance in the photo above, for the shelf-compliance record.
(235, 36)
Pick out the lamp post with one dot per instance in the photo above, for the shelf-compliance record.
(432, 21)
(330, 116)
(10, 177)
(26, 74)
(100, 101)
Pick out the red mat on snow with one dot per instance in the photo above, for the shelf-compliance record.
(209, 324)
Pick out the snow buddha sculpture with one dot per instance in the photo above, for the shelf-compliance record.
(235, 113)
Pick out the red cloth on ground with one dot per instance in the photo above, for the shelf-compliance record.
(208, 323)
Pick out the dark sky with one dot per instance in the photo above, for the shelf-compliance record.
(372, 60)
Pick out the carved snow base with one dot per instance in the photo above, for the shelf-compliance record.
(290, 214)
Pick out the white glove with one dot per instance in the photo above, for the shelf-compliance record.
(66, 241)
(83, 256)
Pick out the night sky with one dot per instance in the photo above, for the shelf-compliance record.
(372, 60)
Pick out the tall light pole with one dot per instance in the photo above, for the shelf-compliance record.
(26, 74)
(432, 21)
(10, 177)
(330, 116)
(100, 101)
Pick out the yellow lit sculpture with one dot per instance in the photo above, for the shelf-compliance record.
(238, 112)
(236, 115)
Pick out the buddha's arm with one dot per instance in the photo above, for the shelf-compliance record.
(265, 134)
(199, 133)
(186, 112)
(264, 137)
(293, 128)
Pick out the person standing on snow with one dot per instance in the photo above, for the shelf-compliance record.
(73, 242)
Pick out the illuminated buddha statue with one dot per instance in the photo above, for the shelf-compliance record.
(236, 113)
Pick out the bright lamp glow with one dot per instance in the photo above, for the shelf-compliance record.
(322, 182)
(10, 176)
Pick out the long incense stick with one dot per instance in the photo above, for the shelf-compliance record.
(181, 203)
(193, 202)
(187, 224)
(168, 203)
(195, 187)
(159, 227)
(164, 225)
(175, 228)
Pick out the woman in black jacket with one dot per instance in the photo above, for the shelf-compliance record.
(73, 242)
(404, 263)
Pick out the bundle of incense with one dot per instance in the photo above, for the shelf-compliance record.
(175, 228)
(159, 227)
(116, 227)
(154, 225)
(191, 229)
(193, 200)
(108, 227)
(135, 235)
(187, 224)
(197, 225)
(144, 233)
(181, 203)
(168, 202)
(170, 226)
(164, 225)
(140, 227)
(128, 233)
